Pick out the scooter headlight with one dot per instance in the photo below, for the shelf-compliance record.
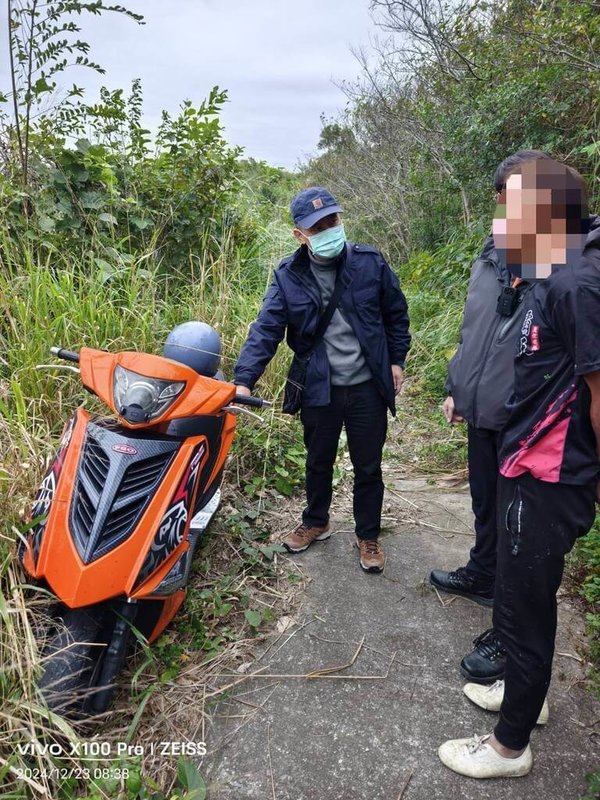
(141, 399)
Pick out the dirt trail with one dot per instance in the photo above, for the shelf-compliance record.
(374, 732)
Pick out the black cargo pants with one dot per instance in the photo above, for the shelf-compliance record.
(362, 410)
(538, 524)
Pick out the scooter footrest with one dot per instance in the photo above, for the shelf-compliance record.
(203, 517)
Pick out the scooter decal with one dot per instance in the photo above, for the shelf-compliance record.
(170, 531)
(45, 495)
(59, 459)
(172, 526)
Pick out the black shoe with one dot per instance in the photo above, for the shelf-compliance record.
(464, 583)
(487, 661)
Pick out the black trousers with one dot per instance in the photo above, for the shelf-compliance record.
(362, 410)
(538, 524)
(483, 478)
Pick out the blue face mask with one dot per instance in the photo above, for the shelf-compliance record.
(328, 243)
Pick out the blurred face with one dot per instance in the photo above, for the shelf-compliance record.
(530, 222)
(330, 221)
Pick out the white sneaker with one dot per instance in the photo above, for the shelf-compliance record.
(490, 698)
(475, 758)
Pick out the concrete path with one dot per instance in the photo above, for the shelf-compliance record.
(376, 737)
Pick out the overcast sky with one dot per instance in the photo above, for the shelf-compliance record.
(278, 59)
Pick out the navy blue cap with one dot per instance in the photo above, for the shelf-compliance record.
(312, 204)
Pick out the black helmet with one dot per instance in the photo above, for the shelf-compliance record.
(195, 344)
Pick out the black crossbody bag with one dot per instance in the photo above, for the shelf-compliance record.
(296, 377)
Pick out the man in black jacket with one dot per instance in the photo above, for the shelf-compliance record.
(480, 381)
(354, 371)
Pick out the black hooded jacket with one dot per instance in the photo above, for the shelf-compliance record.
(481, 372)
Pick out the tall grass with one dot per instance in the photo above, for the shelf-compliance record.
(73, 303)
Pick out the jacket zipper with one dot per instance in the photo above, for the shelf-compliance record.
(515, 536)
(314, 291)
(483, 360)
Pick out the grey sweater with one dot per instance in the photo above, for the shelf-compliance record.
(346, 360)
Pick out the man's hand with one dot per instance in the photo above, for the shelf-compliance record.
(398, 377)
(243, 390)
(448, 411)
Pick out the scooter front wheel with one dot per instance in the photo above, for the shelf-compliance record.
(71, 659)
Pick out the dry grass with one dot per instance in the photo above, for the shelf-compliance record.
(179, 709)
(23, 717)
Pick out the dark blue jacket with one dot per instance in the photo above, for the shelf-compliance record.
(371, 301)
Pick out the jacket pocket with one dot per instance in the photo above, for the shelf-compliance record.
(366, 301)
(513, 521)
(303, 315)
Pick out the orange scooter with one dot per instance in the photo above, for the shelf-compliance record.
(120, 512)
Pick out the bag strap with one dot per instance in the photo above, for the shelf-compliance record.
(327, 315)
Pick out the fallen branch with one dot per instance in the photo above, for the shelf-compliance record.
(328, 670)
(570, 655)
(270, 763)
(233, 683)
(443, 603)
(312, 675)
(405, 785)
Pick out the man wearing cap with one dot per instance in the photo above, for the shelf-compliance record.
(355, 368)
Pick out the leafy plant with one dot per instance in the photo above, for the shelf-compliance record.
(43, 43)
(585, 569)
(593, 787)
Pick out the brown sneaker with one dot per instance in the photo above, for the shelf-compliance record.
(371, 555)
(303, 536)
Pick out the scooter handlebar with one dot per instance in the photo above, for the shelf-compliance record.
(247, 400)
(66, 355)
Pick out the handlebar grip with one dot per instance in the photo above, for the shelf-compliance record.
(66, 355)
(257, 402)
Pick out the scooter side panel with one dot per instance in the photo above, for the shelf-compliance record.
(170, 608)
(227, 437)
(45, 498)
(172, 532)
(113, 574)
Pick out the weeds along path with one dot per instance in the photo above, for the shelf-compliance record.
(358, 684)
